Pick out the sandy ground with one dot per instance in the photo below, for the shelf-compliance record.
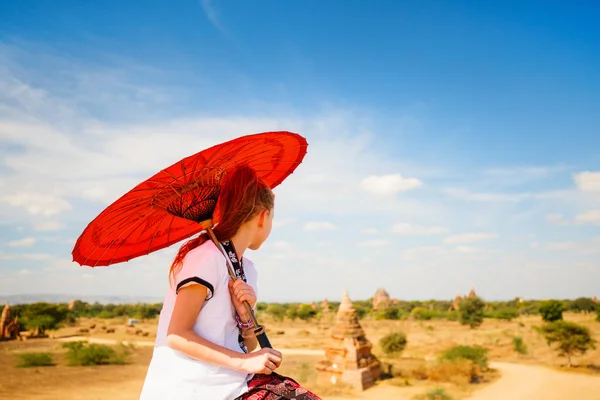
(517, 382)
(529, 382)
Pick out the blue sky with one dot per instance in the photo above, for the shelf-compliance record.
(451, 144)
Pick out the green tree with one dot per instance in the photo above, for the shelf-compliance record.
(422, 314)
(306, 312)
(40, 317)
(582, 304)
(292, 311)
(551, 310)
(390, 313)
(147, 311)
(277, 311)
(506, 314)
(570, 338)
(471, 312)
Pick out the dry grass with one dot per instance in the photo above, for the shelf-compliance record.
(416, 372)
(426, 339)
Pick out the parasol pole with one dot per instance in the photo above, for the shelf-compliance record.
(259, 330)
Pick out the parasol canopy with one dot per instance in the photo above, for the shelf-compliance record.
(171, 205)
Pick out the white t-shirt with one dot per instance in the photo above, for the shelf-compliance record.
(174, 375)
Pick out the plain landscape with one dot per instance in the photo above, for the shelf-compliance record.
(518, 349)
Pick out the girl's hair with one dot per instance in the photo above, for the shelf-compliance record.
(242, 196)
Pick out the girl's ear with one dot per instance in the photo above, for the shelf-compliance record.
(261, 218)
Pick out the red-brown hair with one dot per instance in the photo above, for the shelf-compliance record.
(243, 195)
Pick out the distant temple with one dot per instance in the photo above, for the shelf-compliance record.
(456, 304)
(349, 359)
(9, 326)
(381, 299)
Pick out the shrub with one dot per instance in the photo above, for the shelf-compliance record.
(277, 311)
(519, 346)
(392, 313)
(459, 372)
(82, 354)
(393, 343)
(506, 314)
(306, 312)
(452, 315)
(35, 360)
(437, 393)
(292, 311)
(598, 314)
(471, 312)
(477, 354)
(551, 310)
(422, 314)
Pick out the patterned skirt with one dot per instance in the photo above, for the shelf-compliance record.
(276, 387)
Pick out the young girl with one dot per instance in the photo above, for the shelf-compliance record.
(202, 350)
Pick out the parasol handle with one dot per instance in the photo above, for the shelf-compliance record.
(259, 330)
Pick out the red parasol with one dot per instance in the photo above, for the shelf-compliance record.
(179, 202)
(170, 206)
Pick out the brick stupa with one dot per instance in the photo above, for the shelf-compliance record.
(381, 299)
(349, 359)
(9, 326)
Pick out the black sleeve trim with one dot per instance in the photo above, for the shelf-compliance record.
(200, 281)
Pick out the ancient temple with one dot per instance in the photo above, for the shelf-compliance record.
(472, 293)
(325, 307)
(349, 359)
(456, 304)
(381, 299)
(595, 300)
(9, 326)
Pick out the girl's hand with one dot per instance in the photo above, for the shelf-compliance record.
(263, 361)
(240, 291)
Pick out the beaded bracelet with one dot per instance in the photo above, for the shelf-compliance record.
(243, 325)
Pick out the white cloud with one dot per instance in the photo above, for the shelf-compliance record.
(36, 256)
(583, 247)
(588, 181)
(24, 272)
(279, 245)
(468, 195)
(370, 231)
(469, 238)
(374, 243)
(590, 217)
(467, 249)
(557, 219)
(585, 218)
(25, 242)
(279, 223)
(319, 226)
(517, 175)
(87, 134)
(408, 229)
(387, 185)
(211, 13)
(47, 226)
(37, 203)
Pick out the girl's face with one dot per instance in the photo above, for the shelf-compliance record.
(264, 223)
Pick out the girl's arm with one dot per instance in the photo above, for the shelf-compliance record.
(181, 337)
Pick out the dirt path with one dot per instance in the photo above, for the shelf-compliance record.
(528, 382)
